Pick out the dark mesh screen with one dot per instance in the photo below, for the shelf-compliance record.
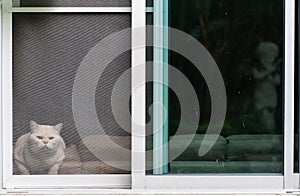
(149, 90)
(76, 3)
(149, 3)
(149, 35)
(47, 51)
(81, 3)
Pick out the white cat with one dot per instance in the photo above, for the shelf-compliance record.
(41, 151)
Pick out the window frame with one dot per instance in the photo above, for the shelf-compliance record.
(288, 180)
(139, 179)
(10, 181)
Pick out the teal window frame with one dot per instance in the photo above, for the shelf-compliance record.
(160, 89)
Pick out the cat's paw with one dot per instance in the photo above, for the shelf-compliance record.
(54, 169)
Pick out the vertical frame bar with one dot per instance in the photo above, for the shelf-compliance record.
(165, 88)
(138, 105)
(1, 109)
(289, 14)
(158, 91)
(7, 91)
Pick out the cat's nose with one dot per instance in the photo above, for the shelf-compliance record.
(45, 142)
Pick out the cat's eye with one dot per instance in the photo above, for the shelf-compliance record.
(39, 137)
(51, 138)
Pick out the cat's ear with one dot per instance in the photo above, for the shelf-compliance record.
(59, 127)
(33, 125)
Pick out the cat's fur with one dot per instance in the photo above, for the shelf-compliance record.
(41, 151)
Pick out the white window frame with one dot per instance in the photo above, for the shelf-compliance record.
(288, 180)
(10, 181)
(138, 180)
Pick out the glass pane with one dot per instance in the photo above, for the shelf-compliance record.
(72, 3)
(48, 55)
(245, 41)
(245, 38)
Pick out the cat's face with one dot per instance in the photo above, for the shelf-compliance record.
(45, 136)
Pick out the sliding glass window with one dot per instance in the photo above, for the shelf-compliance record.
(242, 50)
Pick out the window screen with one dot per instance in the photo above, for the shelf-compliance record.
(76, 3)
(47, 52)
(149, 3)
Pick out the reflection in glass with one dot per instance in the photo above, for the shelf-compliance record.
(245, 38)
